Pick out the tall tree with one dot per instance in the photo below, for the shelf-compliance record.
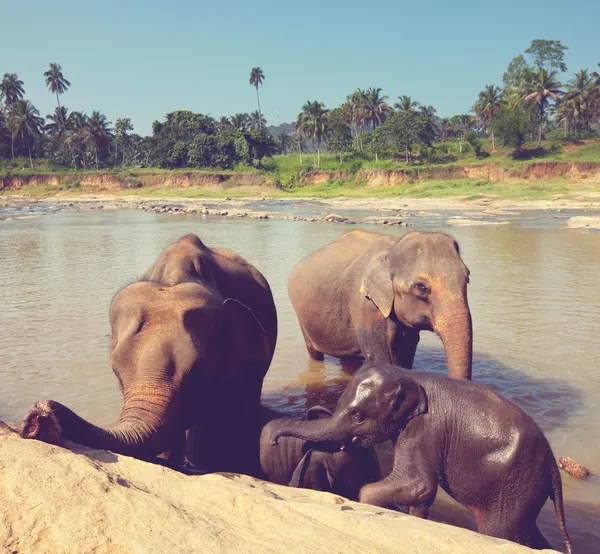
(375, 107)
(543, 88)
(25, 123)
(56, 82)
(548, 54)
(256, 78)
(257, 121)
(11, 90)
(312, 123)
(97, 134)
(406, 104)
(122, 127)
(486, 107)
(581, 103)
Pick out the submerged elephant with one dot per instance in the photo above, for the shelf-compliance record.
(482, 449)
(313, 465)
(191, 343)
(369, 295)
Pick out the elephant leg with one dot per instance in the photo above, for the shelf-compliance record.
(412, 482)
(312, 352)
(516, 527)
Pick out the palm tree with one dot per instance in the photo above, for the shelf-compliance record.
(11, 90)
(375, 107)
(240, 122)
(224, 124)
(97, 133)
(257, 121)
(56, 129)
(464, 124)
(312, 122)
(542, 87)
(432, 127)
(56, 82)
(25, 122)
(256, 78)
(76, 136)
(487, 107)
(581, 102)
(406, 104)
(284, 143)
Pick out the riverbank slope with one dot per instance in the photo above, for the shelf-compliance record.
(80, 500)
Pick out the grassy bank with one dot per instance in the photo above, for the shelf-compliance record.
(533, 176)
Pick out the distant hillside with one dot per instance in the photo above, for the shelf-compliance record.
(276, 130)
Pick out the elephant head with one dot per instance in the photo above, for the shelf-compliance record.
(376, 404)
(173, 363)
(423, 280)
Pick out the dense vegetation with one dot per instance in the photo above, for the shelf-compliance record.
(536, 101)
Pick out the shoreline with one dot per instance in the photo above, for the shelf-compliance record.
(454, 210)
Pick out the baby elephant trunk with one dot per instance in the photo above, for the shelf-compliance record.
(318, 430)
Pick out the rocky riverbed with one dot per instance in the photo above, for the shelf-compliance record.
(402, 212)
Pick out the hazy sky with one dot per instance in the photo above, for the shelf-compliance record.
(142, 60)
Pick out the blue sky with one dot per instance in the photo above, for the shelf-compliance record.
(144, 59)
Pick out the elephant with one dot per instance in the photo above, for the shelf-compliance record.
(482, 449)
(194, 334)
(313, 465)
(368, 295)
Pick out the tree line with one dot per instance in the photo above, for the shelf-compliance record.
(534, 101)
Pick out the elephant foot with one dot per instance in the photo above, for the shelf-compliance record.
(315, 354)
(41, 423)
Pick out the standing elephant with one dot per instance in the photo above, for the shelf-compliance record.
(313, 465)
(369, 295)
(482, 449)
(191, 343)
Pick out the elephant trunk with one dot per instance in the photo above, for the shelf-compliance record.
(454, 326)
(318, 430)
(144, 430)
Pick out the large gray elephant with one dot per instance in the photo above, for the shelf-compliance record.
(369, 295)
(191, 343)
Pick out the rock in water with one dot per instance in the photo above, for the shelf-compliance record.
(57, 500)
(570, 466)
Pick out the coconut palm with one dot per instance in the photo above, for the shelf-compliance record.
(257, 121)
(358, 115)
(432, 123)
(406, 104)
(581, 103)
(256, 78)
(11, 90)
(56, 127)
(224, 124)
(312, 123)
(375, 107)
(240, 122)
(25, 123)
(76, 136)
(284, 142)
(97, 134)
(487, 107)
(542, 88)
(56, 82)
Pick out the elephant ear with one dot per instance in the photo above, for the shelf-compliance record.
(317, 412)
(247, 338)
(377, 284)
(409, 401)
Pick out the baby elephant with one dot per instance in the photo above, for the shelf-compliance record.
(482, 449)
(316, 465)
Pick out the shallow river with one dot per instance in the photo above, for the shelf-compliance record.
(534, 294)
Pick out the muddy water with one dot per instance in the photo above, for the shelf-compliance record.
(534, 293)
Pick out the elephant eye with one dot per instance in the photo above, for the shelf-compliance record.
(358, 417)
(422, 288)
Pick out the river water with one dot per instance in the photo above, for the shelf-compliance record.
(534, 295)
